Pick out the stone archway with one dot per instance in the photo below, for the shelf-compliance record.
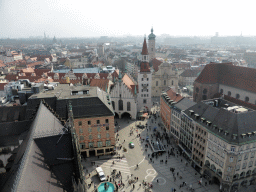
(126, 115)
(116, 116)
(216, 180)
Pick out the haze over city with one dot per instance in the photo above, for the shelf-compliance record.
(22, 19)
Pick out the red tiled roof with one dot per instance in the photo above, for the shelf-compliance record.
(29, 69)
(174, 96)
(144, 48)
(228, 74)
(144, 67)
(101, 83)
(156, 64)
(2, 86)
(133, 89)
(34, 64)
(11, 77)
(105, 75)
(40, 72)
(115, 73)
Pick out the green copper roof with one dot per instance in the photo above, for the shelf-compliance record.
(151, 36)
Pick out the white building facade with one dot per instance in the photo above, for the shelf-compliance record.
(144, 82)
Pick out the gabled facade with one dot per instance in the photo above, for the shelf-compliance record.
(165, 77)
(124, 96)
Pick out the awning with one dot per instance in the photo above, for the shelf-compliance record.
(144, 115)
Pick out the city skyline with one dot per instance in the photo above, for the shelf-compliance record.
(112, 18)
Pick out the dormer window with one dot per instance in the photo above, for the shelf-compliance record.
(214, 126)
(220, 129)
(208, 123)
(243, 135)
(226, 133)
(197, 116)
(249, 134)
(234, 136)
(202, 120)
(191, 112)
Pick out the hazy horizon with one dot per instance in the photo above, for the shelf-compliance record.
(65, 19)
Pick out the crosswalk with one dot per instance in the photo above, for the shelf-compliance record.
(119, 165)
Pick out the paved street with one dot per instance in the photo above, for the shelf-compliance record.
(154, 172)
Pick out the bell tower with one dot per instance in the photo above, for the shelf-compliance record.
(151, 45)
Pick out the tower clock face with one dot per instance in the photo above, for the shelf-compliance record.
(145, 75)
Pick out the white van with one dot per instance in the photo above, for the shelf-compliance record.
(100, 174)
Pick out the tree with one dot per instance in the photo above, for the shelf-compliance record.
(120, 64)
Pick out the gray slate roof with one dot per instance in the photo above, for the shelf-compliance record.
(184, 103)
(232, 123)
(36, 167)
(88, 105)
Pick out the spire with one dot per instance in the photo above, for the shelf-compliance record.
(120, 77)
(152, 30)
(125, 70)
(144, 48)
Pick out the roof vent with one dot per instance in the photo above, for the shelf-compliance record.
(197, 116)
(226, 105)
(208, 123)
(202, 119)
(191, 112)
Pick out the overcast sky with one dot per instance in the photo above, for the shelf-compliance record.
(93, 18)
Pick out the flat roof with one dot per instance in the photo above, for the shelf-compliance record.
(63, 91)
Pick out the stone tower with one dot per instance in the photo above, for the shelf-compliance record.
(151, 45)
(144, 81)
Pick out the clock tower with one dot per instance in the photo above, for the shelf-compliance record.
(144, 81)
(151, 45)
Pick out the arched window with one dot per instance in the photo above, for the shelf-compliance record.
(229, 93)
(156, 83)
(164, 82)
(128, 106)
(237, 96)
(172, 82)
(205, 91)
(120, 105)
(246, 99)
(113, 104)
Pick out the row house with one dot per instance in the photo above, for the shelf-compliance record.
(224, 143)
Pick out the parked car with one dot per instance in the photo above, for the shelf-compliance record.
(131, 145)
(101, 174)
(141, 126)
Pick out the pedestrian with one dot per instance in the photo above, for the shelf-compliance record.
(133, 186)
(157, 180)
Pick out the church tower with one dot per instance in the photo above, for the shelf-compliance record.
(151, 45)
(144, 81)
